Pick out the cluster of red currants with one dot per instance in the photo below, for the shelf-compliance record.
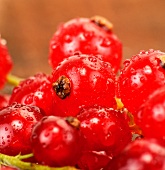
(89, 113)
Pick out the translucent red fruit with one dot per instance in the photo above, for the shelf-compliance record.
(151, 116)
(89, 36)
(104, 129)
(140, 155)
(141, 75)
(35, 90)
(57, 141)
(16, 122)
(82, 81)
(5, 62)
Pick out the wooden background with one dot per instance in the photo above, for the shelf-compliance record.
(28, 26)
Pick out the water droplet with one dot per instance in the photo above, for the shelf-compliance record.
(147, 70)
(88, 35)
(105, 42)
(92, 59)
(68, 38)
(127, 62)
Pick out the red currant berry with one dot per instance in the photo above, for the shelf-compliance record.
(151, 116)
(104, 129)
(5, 62)
(35, 90)
(141, 75)
(16, 122)
(82, 81)
(93, 160)
(140, 155)
(56, 141)
(89, 36)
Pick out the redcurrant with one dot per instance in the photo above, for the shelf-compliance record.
(35, 90)
(81, 81)
(89, 36)
(141, 75)
(56, 141)
(16, 122)
(104, 129)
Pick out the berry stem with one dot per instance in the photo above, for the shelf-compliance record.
(13, 80)
(15, 161)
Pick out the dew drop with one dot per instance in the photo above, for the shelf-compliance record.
(68, 38)
(106, 42)
(127, 62)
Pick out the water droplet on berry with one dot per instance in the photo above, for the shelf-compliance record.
(147, 70)
(88, 35)
(28, 99)
(92, 59)
(142, 52)
(68, 38)
(158, 113)
(126, 62)
(105, 42)
(132, 70)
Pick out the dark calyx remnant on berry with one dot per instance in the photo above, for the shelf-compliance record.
(162, 61)
(62, 87)
(73, 122)
(102, 22)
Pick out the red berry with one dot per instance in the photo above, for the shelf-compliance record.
(140, 155)
(141, 75)
(5, 62)
(104, 129)
(35, 90)
(56, 142)
(89, 36)
(151, 116)
(82, 81)
(16, 122)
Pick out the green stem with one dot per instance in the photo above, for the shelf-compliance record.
(14, 161)
(13, 80)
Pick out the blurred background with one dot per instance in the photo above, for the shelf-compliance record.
(28, 26)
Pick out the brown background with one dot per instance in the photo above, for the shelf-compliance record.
(28, 26)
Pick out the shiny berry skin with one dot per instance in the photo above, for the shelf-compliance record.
(4, 100)
(35, 90)
(56, 142)
(88, 36)
(104, 129)
(140, 155)
(151, 116)
(16, 122)
(82, 81)
(6, 63)
(93, 160)
(141, 75)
